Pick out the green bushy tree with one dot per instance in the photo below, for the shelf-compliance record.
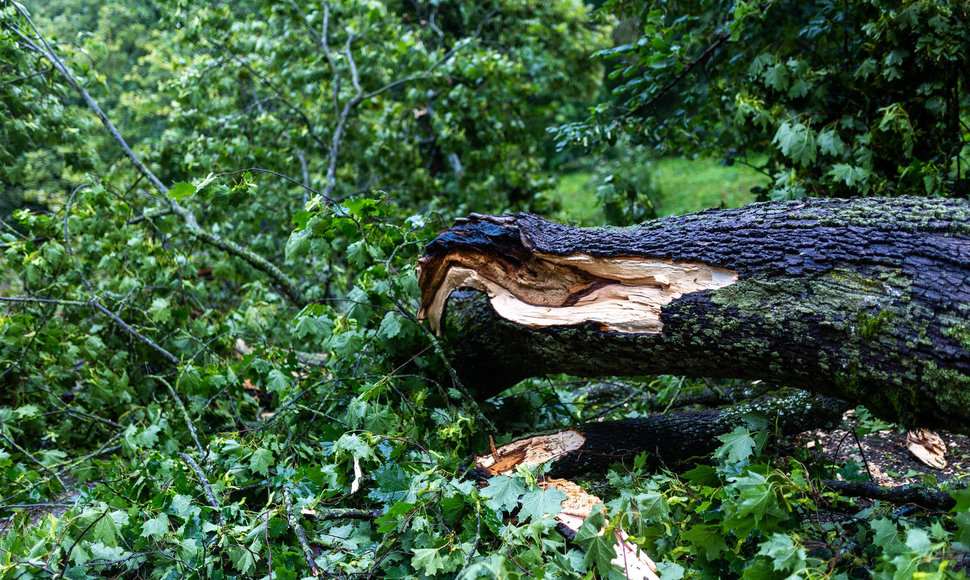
(827, 98)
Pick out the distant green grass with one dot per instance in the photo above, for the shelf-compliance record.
(684, 186)
(693, 185)
(576, 194)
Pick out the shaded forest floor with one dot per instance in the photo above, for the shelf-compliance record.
(882, 456)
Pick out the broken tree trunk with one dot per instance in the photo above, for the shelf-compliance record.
(866, 300)
(669, 440)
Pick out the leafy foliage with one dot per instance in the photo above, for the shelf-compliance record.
(224, 377)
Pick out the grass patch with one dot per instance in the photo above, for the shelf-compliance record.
(576, 193)
(689, 185)
(682, 185)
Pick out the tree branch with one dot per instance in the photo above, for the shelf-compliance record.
(281, 280)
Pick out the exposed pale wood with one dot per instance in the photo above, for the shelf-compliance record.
(530, 452)
(928, 447)
(578, 506)
(622, 294)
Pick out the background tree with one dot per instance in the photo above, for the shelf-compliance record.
(827, 98)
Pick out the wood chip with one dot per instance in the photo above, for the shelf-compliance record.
(927, 446)
(577, 506)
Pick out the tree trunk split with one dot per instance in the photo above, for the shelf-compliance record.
(866, 300)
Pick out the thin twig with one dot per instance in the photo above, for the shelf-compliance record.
(298, 530)
(478, 536)
(205, 486)
(185, 412)
(67, 556)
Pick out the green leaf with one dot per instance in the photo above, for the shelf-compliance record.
(393, 484)
(181, 190)
(851, 175)
(27, 411)
(708, 538)
(592, 526)
(277, 381)
(538, 503)
(503, 492)
(393, 516)
(670, 570)
(357, 253)
(427, 560)
(159, 310)
(962, 496)
(887, 533)
(600, 553)
(829, 143)
(777, 77)
(963, 528)
(738, 445)
(242, 559)
(390, 326)
(653, 506)
(797, 142)
(102, 551)
(918, 541)
(260, 461)
(155, 527)
(182, 506)
(785, 554)
(105, 530)
(298, 243)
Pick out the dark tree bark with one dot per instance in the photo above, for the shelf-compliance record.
(668, 440)
(866, 300)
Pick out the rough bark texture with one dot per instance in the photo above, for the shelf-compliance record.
(867, 300)
(669, 440)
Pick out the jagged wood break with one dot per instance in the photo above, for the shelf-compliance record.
(623, 294)
(867, 300)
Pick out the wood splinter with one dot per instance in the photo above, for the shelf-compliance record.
(622, 294)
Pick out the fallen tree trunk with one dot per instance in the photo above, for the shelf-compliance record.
(865, 300)
(668, 440)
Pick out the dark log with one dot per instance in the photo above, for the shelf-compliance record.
(669, 440)
(865, 300)
(925, 497)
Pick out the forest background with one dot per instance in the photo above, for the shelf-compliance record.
(210, 216)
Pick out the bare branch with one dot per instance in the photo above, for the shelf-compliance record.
(298, 529)
(205, 486)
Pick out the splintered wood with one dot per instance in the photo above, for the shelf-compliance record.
(530, 452)
(928, 447)
(578, 505)
(621, 294)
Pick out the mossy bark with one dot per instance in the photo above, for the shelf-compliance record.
(866, 300)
